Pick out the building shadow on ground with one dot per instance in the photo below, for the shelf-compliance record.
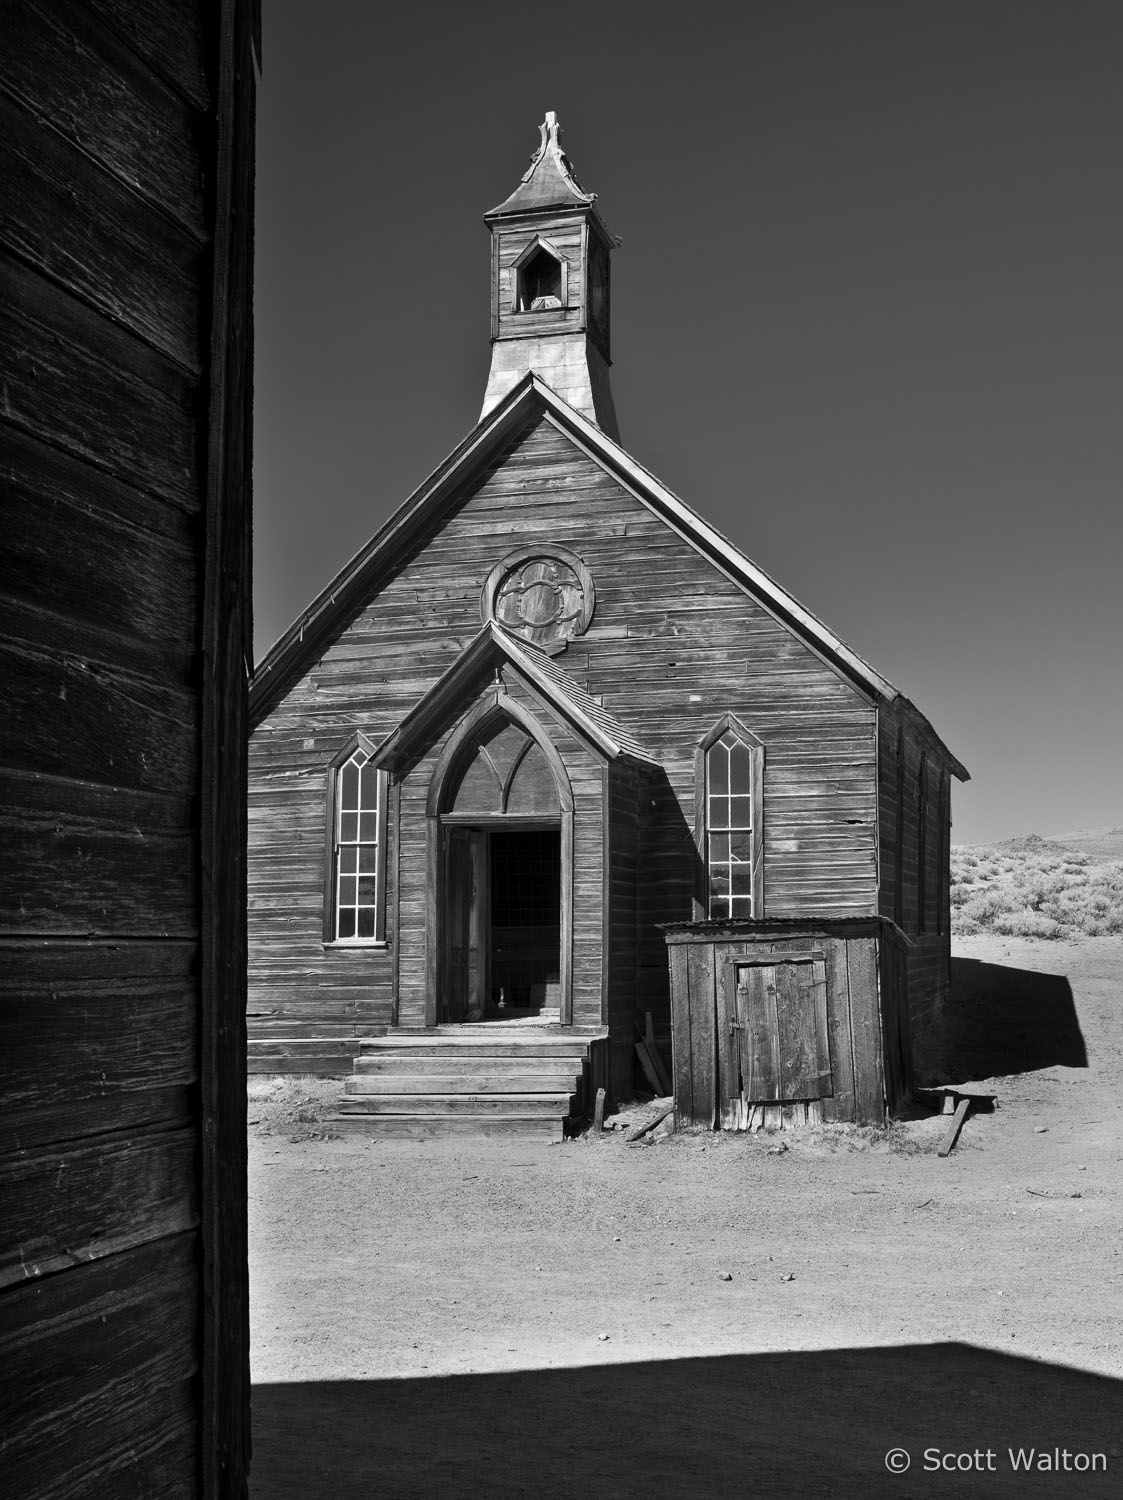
(1000, 1020)
(806, 1424)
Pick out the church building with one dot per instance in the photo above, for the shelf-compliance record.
(544, 713)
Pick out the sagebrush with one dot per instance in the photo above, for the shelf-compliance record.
(1028, 893)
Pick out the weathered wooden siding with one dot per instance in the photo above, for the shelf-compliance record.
(126, 139)
(672, 646)
(626, 786)
(864, 973)
(914, 781)
(566, 235)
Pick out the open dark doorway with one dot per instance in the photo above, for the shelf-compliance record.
(502, 923)
(525, 925)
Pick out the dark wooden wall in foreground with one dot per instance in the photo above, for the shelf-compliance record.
(126, 144)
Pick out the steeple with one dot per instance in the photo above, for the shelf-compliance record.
(550, 253)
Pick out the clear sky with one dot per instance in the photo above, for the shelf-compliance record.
(866, 318)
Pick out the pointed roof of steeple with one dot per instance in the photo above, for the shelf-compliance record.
(549, 181)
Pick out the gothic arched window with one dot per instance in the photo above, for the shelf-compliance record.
(356, 905)
(730, 774)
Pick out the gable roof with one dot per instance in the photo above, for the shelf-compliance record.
(309, 636)
(491, 646)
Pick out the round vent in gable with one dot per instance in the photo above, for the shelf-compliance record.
(543, 594)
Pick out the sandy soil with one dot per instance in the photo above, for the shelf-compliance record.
(714, 1313)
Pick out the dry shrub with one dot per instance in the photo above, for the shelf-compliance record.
(1035, 893)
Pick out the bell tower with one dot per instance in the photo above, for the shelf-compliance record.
(550, 252)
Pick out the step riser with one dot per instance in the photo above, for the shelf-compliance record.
(481, 1047)
(478, 1083)
(420, 1127)
(431, 1104)
(417, 1066)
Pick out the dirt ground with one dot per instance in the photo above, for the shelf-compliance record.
(716, 1314)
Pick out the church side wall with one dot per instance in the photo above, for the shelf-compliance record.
(915, 836)
(626, 785)
(672, 646)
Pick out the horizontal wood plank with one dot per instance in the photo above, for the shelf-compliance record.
(62, 1204)
(78, 381)
(89, 233)
(86, 860)
(96, 1383)
(68, 68)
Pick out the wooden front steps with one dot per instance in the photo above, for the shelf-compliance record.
(480, 1079)
(322, 1055)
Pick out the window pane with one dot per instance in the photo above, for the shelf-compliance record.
(719, 769)
(368, 859)
(368, 890)
(346, 922)
(741, 846)
(348, 889)
(349, 786)
(348, 828)
(719, 880)
(348, 860)
(366, 922)
(740, 769)
(742, 906)
(719, 812)
(368, 827)
(719, 848)
(741, 812)
(742, 880)
(719, 907)
(368, 786)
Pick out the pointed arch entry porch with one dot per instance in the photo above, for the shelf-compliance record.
(499, 795)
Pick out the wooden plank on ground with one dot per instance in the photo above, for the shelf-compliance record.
(951, 1135)
(648, 1069)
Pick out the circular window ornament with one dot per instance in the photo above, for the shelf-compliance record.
(543, 594)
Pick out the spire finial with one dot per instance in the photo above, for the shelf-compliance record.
(550, 179)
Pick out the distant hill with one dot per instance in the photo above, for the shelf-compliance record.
(1100, 843)
(1096, 843)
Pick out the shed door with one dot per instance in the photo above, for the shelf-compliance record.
(776, 1011)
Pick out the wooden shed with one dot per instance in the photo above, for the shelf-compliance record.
(125, 358)
(788, 1023)
(546, 709)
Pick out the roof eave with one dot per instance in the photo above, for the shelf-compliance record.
(286, 659)
(491, 644)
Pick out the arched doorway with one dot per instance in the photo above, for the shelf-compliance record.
(501, 830)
